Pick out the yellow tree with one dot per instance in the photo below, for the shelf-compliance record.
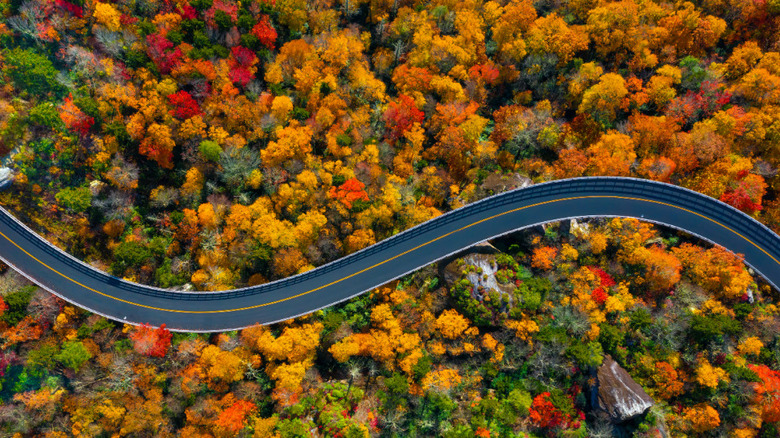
(701, 418)
(551, 34)
(515, 20)
(158, 145)
(221, 367)
(686, 32)
(710, 376)
(193, 184)
(716, 269)
(292, 142)
(603, 100)
(624, 28)
(612, 155)
(108, 16)
(386, 342)
(288, 355)
(451, 324)
(660, 88)
(359, 239)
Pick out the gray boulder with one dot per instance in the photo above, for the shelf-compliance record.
(618, 394)
(6, 176)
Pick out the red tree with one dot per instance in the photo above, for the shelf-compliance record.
(159, 49)
(184, 105)
(746, 193)
(484, 72)
(240, 62)
(604, 279)
(149, 341)
(401, 115)
(599, 296)
(187, 12)
(7, 359)
(349, 192)
(265, 32)
(74, 118)
(233, 418)
(3, 306)
(768, 392)
(72, 9)
(544, 414)
(694, 106)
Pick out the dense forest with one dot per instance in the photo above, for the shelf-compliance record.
(209, 144)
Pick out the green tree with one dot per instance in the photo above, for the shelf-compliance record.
(128, 255)
(17, 305)
(33, 73)
(165, 276)
(75, 199)
(73, 355)
(210, 150)
(42, 359)
(45, 114)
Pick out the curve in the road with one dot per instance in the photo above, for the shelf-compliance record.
(87, 287)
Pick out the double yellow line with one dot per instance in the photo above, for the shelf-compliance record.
(387, 260)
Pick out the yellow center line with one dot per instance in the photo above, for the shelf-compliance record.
(387, 260)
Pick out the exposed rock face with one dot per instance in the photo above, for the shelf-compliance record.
(579, 229)
(618, 394)
(96, 186)
(497, 183)
(483, 278)
(6, 176)
(186, 287)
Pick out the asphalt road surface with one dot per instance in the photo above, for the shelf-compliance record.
(98, 292)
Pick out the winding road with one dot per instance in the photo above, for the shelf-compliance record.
(98, 292)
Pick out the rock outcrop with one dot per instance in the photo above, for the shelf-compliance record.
(497, 183)
(618, 394)
(6, 176)
(482, 256)
(448, 268)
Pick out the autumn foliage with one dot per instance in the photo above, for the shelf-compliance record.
(184, 105)
(544, 257)
(265, 32)
(545, 414)
(401, 115)
(349, 192)
(233, 418)
(74, 118)
(149, 341)
(222, 144)
(163, 52)
(746, 192)
(767, 392)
